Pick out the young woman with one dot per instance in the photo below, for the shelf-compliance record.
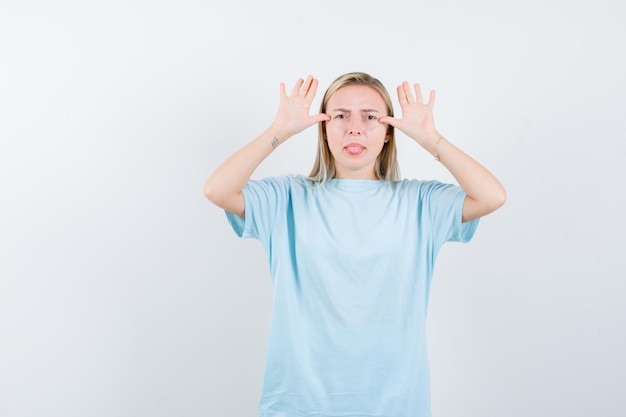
(351, 248)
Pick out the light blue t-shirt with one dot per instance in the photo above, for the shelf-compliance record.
(351, 264)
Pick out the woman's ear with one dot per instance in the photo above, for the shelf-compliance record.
(389, 133)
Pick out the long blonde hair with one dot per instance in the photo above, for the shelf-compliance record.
(386, 167)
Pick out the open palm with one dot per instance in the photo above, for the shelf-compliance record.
(417, 120)
(293, 111)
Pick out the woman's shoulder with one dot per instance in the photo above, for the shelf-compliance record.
(411, 183)
(288, 181)
(419, 186)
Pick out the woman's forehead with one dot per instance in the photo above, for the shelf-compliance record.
(356, 96)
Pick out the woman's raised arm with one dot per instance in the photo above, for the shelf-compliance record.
(484, 192)
(224, 187)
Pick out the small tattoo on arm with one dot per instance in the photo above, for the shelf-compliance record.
(275, 142)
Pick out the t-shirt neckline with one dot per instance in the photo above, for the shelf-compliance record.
(355, 184)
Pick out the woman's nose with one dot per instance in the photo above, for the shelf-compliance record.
(355, 127)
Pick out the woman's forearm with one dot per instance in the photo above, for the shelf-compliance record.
(484, 192)
(224, 187)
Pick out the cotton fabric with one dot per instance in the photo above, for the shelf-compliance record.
(351, 263)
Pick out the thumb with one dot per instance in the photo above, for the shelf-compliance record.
(389, 120)
(321, 117)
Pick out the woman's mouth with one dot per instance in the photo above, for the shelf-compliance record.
(354, 149)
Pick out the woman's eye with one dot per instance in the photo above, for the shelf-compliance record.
(340, 116)
(370, 117)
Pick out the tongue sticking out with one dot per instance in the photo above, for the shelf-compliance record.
(354, 149)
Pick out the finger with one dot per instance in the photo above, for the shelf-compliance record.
(418, 93)
(306, 86)
(431, 99)
(283, 93)
(401, 95)
(389, 120)
(407, 92)
(321, 117)
(312, 90)
(296, 88)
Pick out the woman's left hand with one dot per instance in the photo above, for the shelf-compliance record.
(417, 120)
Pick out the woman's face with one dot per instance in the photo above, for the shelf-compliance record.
(355, 136)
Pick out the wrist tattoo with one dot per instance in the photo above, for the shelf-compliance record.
(275, 142)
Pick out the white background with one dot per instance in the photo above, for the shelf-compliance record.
(123, 292)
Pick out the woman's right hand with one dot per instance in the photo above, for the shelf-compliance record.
(293, 112)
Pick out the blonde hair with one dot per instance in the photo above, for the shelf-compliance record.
(386, 166)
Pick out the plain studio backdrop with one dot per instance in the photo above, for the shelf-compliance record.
(123, 292)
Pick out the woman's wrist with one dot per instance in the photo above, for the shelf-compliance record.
(431, 143)
(437, 147)
(279, 134)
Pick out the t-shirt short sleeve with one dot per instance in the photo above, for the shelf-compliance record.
(445, 207)
(265, 201)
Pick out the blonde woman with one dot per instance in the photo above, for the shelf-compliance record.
(351, 247)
